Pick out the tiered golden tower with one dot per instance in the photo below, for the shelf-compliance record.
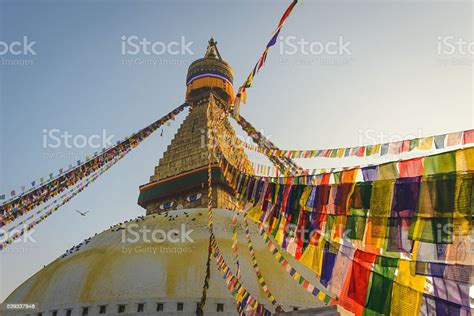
(180, 178)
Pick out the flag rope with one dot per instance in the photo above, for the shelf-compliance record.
(437, 142)
(242, 91)
(21, 205)
(261, 280)
(54, 205)
(242, 297)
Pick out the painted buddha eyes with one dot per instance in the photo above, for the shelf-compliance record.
(194, 197)
(190, 198)
(166, 206)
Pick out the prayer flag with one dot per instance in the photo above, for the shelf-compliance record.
(453, 139)
(413, 143)
(369, 173)
(411, 168)
(439, 141)
(273, 40)
(425, 143)
(468, 137)
(395, 148)
(286, 14)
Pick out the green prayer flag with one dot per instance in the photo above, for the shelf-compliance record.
(442, 163)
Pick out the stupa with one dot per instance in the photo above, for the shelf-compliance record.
(122, 272)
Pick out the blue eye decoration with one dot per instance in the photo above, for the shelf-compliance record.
(166, 206)
(194, 197)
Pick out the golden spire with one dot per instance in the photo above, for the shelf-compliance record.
(212, 51)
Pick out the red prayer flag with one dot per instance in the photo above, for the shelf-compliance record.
(262, 59)
(360, 276)
(405, 146)
(360, 151)
(287, 13)
(411, 168)
(468, 137)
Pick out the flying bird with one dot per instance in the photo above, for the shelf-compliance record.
(82, 213)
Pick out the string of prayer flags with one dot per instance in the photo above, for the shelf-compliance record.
(210, 220)
(47, 211)
(205, 287)
(283, 164)
(436, 177)
(261, 280)
(235, 245)
(242, 91)
(210, 142)
(40, 194)
(395, 148)
(244, 300)
(419, 208)
(305, 284)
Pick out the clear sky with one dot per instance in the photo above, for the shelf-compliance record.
(395, 72)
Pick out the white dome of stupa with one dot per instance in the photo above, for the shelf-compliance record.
(113, 274)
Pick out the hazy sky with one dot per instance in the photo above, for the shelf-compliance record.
(390, 67)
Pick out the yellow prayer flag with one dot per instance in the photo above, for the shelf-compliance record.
(308, 256)
(244, 96)
(281, 230)
(408, 289)
(425, 143)
(296, 276)
(321, 295)
(465, 159)
(376, 149)
(254, 214)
